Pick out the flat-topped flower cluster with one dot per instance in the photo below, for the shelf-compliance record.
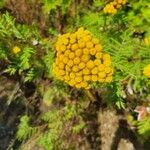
(146, 71)
(112, 7)
(80, 60)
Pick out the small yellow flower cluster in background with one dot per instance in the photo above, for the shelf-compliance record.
(16, 49)
(146, 71)
(80, 60)
(147, 40)
(112, 7)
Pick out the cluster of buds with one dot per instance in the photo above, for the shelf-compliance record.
(147, 40)
(112, 7)
(80, 60)
(16, 49)
(146, 71)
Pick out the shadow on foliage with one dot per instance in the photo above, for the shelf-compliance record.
(91, 117)
(123, 132)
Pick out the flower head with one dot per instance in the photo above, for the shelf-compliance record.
(80, 60)
(16, 49)
(112, 7)
(147, 40)
(146, 71)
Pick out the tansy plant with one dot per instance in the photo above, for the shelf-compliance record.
(146, 71)
(147, 40)
(81, 61)
(112, 7)
(16, 49)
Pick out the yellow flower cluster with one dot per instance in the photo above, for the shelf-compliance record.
(146, 71)
(112, 7)
(80, 60)
(16, 49)
(147, 40)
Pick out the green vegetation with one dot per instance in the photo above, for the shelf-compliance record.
(28, 52)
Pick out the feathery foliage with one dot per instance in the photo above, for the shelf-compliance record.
(28, 51)
(144, 128)
(24, 130)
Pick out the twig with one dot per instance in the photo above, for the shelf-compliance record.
(90, 95)
(11, 97)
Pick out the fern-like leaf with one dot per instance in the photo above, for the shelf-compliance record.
(144, 127)
(25, 62)
(24, 130)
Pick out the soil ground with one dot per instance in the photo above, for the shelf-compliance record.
(107, 129)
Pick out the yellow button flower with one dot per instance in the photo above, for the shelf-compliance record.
(78, 79)
(71, 55)
(63, 48)
(80, 60)
(81, 44)
(97, 62)
(67, 78)
(57, 47)
(75, 68)
(80, 30)
(69, 46)
(76, 60)
(112, 7)
(85, 51)
(85, 58)
(84, 84)
(79, 73)
(72, 40)
(81, 65)
(94, 70)
(65, 41)
(58, 54)
(86, 71)
(89, 45)
(73, 36)
(67, 35)
(87, 38)
(61, 57)
(147, 40)
(146, 71)
(72, 75)
(106, 57)
(68, 69)
(87, 77)
(65, 60)
(92, 51)
(78, 52)
(61, 65)
(98, 55)
(87, 32)
(67, 52)
(78, 85)
(107, 63)
(90, 64)
(107, 69)
(108, 79)
(16, 49)
(98, 47)
(101, 67)
(102, 75)
(94, 78)
(70, 63)
(101, 80)
(74, 47)
(61, 72)
(72, 82)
